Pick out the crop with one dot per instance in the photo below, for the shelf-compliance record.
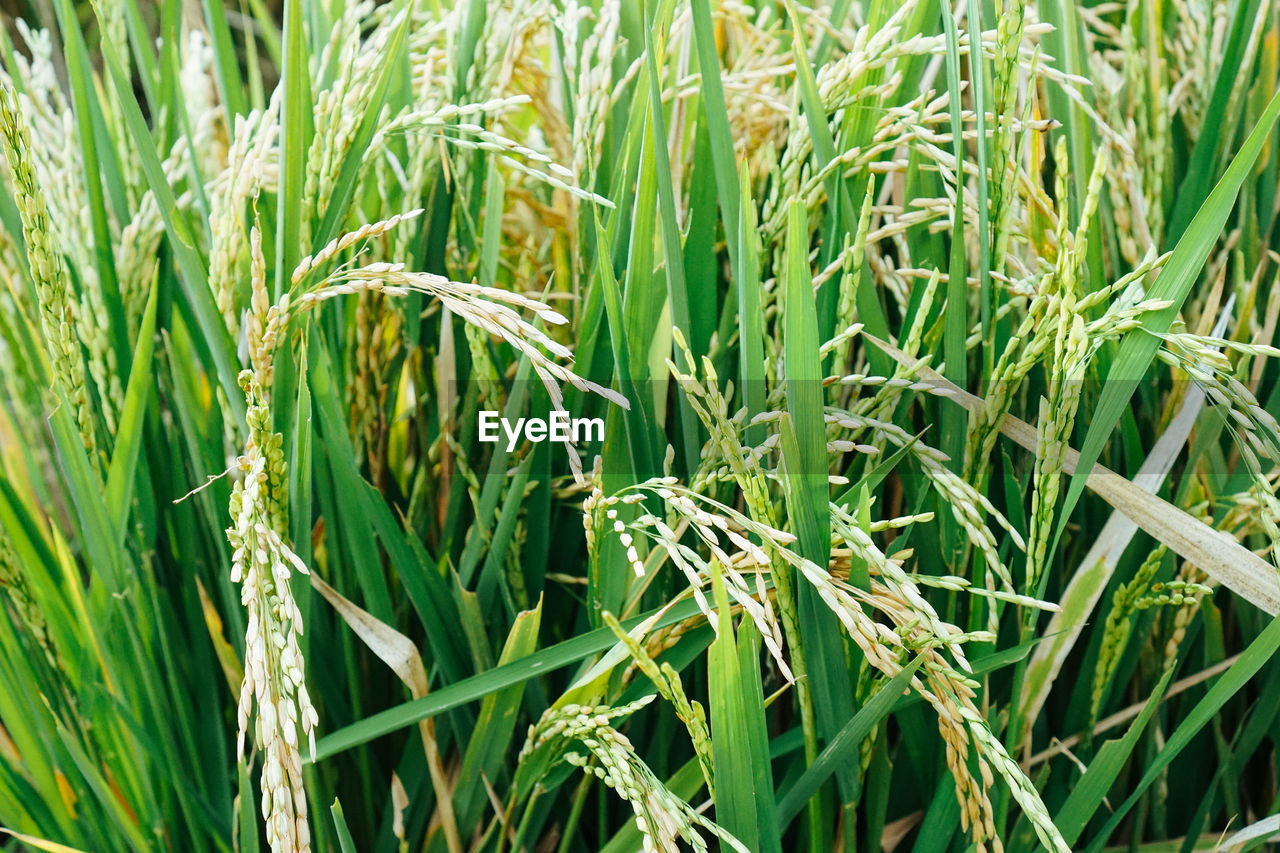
(933, 348)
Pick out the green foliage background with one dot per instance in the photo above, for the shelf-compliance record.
(876, 612)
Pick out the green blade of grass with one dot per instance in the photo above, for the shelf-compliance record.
(1174, 284)
(978, 90)
(956, 328)
(491, 738)
(300, 459)
(717, 116)
(295, 142)
(751, 365)
(247, 812)
(83, 485)
(643, 296)
(1258, 653)
(804, 454)
(355, 523)
(738, 801)
(824, 151)
(636, 419)
(143, 49)
(1089, 793)
(492, 577)
(842, 748)
(804, 388)
(85, 97)
(758, 746)
(193, 271)
(124, 456)
(346, 843)
(672, 245)
(226, 65)
(494, 486)
(477, 686)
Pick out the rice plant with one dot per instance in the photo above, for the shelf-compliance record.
(604, 425)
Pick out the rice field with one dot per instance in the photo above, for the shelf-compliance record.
(612, 425)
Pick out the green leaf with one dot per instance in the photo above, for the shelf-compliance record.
(345, 842)
(124, 456)
(842, 749)
(491, 739)
(1089, 792)
(246, 811)
(227, 65)
(477, 686)
(978, 89)
(804, 456)
(1253, 658)
(194, 277)
(636, 418)
(672, 245)
(295, 144)
(956, 327)
(91, 511)
(1174, 284)
(356, 523)
(740, 804)
(808, 471)
(717, 115)
(751, 336)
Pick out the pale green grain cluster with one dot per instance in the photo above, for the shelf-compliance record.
(1138, 595)
(275, 675)
(667, 682)
(663, 819)
(48, 270)
(18, 594)
(1005, 143)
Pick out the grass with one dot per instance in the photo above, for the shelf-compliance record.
(936, 506)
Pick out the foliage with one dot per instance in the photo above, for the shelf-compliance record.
(845, 291)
